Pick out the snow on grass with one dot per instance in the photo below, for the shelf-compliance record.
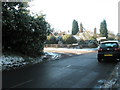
(71, 49)
(8, 62)
(54, 55)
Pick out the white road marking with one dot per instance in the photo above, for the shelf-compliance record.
(21, 84)
(68, 65)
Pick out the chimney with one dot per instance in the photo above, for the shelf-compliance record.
(95, 30)
(81, 28)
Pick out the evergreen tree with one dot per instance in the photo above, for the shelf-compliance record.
(22, 32)
(75, 27)
(103, 29)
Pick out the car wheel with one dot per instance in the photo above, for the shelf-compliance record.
(99, 60)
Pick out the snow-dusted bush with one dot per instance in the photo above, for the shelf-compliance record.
(92, 44)
(51, 39)
(69, 39)
(8, 62)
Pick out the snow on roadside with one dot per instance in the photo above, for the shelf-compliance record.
(54, 55)
(71, 49)
(114, 79)
(8, 62)
(13, 62)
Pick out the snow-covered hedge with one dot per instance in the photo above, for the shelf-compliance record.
(8, 62)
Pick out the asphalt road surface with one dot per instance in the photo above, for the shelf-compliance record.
(82, 71)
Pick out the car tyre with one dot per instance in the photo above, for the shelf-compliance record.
(99, 60)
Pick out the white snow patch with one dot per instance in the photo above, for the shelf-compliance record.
(54, 55)
(71, 49)
(8, 62)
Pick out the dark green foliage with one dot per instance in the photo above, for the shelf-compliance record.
(103, 29)
(51, 39)
(22, 32)
(69, 39)
(75, 27)
(81, 42)
(92, 44)
(93, 37)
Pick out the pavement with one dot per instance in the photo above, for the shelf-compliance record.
(113, 80)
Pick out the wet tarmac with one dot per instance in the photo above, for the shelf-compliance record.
(81, 71)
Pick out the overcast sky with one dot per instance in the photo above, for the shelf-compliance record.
(60, 13)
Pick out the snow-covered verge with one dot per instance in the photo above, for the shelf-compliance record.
(8, 62)
(114, 79)
(71, 50)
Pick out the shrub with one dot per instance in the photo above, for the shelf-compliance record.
(81, 42)
(92, 44)
(93, 38)
(69, 39)
(59, 38)
(22, 32)
(51, 39)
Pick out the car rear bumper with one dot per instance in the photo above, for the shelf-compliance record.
(113, 56)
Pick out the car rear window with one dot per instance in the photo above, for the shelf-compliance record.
(109, 45)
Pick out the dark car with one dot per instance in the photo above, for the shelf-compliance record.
(108, 50)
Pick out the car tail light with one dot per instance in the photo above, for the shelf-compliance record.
(100, 50)
(117, 49)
